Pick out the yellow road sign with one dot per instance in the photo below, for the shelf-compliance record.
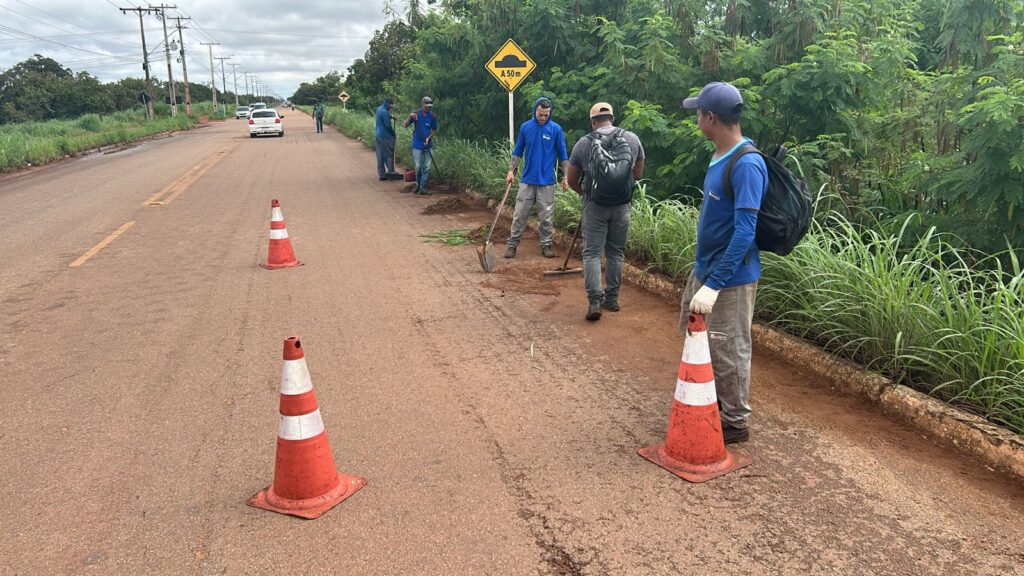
(343, 96)
(510, 65)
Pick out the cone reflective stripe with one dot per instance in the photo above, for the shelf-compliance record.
(279, 254)
(306, 483)
(694, 448)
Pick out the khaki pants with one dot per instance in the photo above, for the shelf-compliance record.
(729, 339)
(544, 198)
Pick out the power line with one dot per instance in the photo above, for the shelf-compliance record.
(54, 44)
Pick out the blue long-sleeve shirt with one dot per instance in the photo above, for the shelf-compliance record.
(726, 252)
(384, 129)
(544, 145)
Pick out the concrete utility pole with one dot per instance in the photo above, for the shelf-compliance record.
(234, 78)
(167, 54)
(145, 57)
(223, 79)
(248, 98)
(184, 68)
(213, 83)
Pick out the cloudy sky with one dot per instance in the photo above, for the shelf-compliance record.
(283, 42)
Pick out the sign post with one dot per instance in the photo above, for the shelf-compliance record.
(344, 100)
(510, 66)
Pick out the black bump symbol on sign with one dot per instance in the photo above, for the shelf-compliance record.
(510, 61)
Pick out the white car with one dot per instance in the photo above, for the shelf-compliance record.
(241, 112)
(257, 106)
(265, 121)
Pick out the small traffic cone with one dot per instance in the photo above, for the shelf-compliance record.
(306, 483)
(280, 254)
(694, 448)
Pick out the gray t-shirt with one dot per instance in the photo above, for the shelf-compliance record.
(580, 156)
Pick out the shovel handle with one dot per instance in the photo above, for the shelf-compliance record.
(497, 214)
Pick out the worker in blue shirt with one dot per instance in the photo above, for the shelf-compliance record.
(384, 136)
(723, 283)
(542, 141)
(422, 141)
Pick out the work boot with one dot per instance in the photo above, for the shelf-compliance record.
(594, 311)
(734, 435)
(510, 252)
(547, 251)
(612, 305)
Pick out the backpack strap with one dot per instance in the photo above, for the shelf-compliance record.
(727, 175)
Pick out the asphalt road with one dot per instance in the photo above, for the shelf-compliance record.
(497, 429)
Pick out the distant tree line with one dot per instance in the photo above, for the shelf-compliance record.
(40, 88)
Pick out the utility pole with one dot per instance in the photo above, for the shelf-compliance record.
(167, 54)
(234, 78)
(246, 76)
(223, 80)
(184, 68)
(145, 57)
(213, 83)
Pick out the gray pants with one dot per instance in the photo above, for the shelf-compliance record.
(605, 229)
(729, 340)
(385, 156)
(544, 198)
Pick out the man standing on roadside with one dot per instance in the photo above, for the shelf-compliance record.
(610, 161)
(422, 142)
(384, 134)
(723, 283)
(542, 140)
(318, 113)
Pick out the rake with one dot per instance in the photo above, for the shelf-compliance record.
(564, 270)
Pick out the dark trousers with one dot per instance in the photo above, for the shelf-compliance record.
(385, 156)
(319, 123)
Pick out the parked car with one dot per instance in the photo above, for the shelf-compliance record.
(257, 106)
(266, 121)
(241, 112)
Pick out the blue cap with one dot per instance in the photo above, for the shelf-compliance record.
(718, 97)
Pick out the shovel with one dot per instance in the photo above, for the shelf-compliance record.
(484, 252)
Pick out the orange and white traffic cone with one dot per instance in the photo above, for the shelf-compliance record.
(279, 254)
(694, 448)
(306, 483)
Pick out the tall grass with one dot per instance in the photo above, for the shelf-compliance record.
(35, 143)
(917, 312)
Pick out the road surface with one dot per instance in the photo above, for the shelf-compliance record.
(497, 429)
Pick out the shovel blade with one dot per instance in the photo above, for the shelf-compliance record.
(486, 257)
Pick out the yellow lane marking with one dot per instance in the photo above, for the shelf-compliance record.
(103, 244)
(176, 188)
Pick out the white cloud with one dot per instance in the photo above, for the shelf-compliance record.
(283, 42)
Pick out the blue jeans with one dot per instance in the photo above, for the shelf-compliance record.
(319, 123)
(385, 156)
(421, 158)
(605, 229)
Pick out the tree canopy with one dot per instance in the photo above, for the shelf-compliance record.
(901, 106)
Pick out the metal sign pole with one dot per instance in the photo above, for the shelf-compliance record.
(511, 119)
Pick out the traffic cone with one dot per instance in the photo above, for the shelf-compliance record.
(280, 254)
(306, 483)
(694, 448)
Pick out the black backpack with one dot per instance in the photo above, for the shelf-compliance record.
(787, 208)
(609, 173)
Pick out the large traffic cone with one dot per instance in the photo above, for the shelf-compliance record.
(306, 483)
(694, 448)
(280, 254)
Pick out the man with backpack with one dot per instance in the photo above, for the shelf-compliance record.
(723, 283)
(610, 161)
(543, 142)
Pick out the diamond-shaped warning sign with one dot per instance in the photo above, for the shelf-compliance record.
(510, 65)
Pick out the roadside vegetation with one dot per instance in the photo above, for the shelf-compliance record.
(911, 307)
(41, 142)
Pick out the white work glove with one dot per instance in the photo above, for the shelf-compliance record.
(704, 300)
